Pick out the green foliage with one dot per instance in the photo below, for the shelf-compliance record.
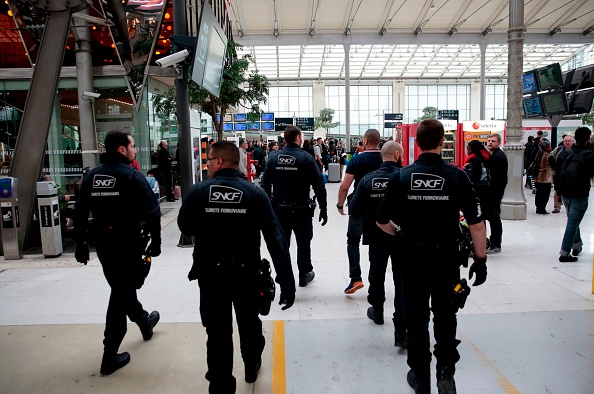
(234, 92)
(588, 119)
(165, 105)
(428, 113)
(324, 121)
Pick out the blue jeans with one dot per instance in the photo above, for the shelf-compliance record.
(354, 233)
(576, 209)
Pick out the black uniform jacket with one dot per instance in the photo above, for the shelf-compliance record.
(289, 174)
(119, 197)
(368, 195)
(425, 199)
(225, 215)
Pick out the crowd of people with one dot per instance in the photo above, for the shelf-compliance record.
(389, 209)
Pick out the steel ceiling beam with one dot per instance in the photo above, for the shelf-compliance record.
(409, 39)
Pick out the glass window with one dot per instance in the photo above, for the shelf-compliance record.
(368, 104)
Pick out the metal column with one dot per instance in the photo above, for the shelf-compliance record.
(483, 48)
(513, 206)
(347, 94)
(185, 149)
(33, 132)
(86, 107)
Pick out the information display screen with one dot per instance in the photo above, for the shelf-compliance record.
(239, 126)
(529, 83)
(253, 126)
(549, 77)
(239, 117)
(227, 126)
(267, 126)
(532, 106)
(554, 103)
(267, 116)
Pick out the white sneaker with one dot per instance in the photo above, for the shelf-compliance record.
(493, 250)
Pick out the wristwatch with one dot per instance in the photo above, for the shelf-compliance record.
(339, 206)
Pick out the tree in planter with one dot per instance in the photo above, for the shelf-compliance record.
(324, 121)
(233, 93)
(428, 113)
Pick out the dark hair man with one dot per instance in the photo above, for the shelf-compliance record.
(366, 199)
(227, 276)
(287, 179)
(573, 174)
(498, 168)
(422, 203)
(368, 160)
(119, 197)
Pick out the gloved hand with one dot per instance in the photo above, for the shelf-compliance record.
(479, 267)
(288, 298)
(82, 253)
(324, 216)
(154, 248)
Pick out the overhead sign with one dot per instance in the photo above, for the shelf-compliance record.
(280, 124)
(448, 114)
(392, 120)
(305, 124)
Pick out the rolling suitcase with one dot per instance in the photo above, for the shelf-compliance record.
(333, 172)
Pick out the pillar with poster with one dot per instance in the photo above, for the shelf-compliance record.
(479, 130)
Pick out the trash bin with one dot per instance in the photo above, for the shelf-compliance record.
(9, 204)
(49, 219)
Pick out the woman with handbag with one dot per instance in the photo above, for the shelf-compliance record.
(544, 178)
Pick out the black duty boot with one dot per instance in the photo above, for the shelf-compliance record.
(445, 380)
(376, 314)
(305, 279)
(110, 364)
(421, 386)
(147, 330)
(251, 373)
(401, 339)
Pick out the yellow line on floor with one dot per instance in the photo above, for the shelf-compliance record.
(505, 384)
(279, 376)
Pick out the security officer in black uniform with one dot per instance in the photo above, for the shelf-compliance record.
(227, 274)
(423, 203)
(366, 198)
(287, 179)
(119, 198)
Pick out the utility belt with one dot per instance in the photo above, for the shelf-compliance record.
(234, 264)
(309, 205)
(291, 204)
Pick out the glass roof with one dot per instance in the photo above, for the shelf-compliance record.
(399, 61)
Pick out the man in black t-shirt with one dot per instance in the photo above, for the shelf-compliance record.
(362, 164)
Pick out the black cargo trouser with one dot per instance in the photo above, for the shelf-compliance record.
(429, 274)
(298, 220)
(222, 288)
(381, 248)
(122, 270)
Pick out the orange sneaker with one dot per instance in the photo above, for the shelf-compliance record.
(353, 287)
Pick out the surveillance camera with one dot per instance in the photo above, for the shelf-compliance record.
(91, 95)
(172, 60)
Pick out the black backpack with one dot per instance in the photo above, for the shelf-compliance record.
(573, 171)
